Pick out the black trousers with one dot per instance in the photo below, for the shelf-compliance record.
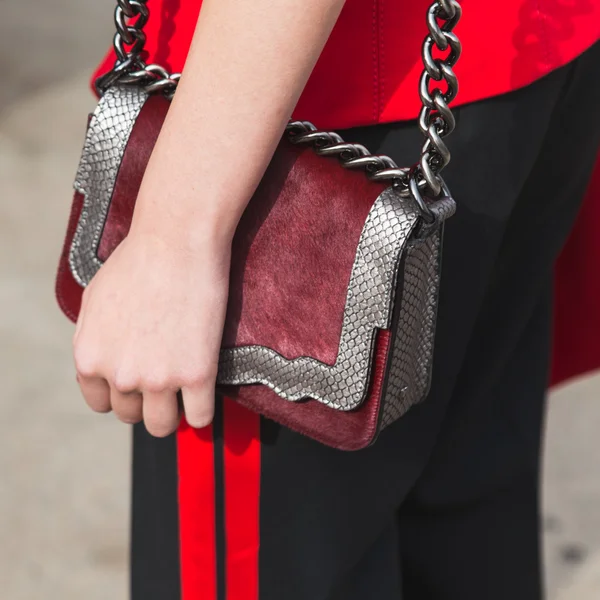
(445, 505)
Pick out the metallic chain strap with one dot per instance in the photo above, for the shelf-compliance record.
(436, 120)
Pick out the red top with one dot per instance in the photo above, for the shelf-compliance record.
(369, 70)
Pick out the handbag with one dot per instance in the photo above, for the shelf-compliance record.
(335, 267)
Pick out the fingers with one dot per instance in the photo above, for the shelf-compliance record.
(199, 405)
(161, 413)
(127, 406)
(96, 392)
(133, 397)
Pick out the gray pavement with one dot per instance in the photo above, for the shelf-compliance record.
(64, 490)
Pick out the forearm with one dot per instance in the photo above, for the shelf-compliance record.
(248, 64)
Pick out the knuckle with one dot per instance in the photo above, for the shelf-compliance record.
(125, 382)
(200, 378)
(86, 363)
(156, 383)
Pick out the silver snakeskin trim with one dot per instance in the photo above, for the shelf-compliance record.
(412, 359)
(107, 135)
(369, 302)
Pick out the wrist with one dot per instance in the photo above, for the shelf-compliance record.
(198, 227)
(187, 200)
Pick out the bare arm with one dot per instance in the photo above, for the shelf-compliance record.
(248, 64)
(152, 319)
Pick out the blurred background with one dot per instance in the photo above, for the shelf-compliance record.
(64, 472)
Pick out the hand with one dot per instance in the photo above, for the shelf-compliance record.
(151, 324)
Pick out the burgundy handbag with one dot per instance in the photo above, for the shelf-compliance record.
(335, 263)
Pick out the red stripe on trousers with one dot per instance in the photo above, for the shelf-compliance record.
(197, 506)
(198, 560)
(242, 492)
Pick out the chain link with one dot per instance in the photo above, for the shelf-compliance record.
(440, 52)
(130, 68)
